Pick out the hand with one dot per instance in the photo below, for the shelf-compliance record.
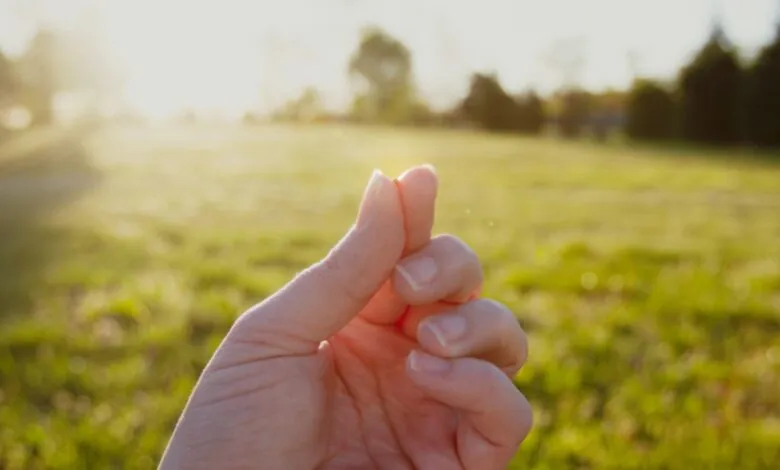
(378, 356)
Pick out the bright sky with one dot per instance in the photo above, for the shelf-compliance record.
(233, 55)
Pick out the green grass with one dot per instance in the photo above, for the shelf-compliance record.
(649, 282)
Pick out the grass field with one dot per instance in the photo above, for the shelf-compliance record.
(648, 281)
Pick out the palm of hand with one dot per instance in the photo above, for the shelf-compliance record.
(379, 414)
(397, 385)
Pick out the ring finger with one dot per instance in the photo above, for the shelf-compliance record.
(482, 328)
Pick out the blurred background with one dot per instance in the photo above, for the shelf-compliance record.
(616, 164)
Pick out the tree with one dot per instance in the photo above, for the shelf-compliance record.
(40, 77)
(566, 59)
(84, 64)
(8, 88)
(531, 113)
(763, 103)
(607, 112)
(74, 60)
(710, 94)
(7, 81)
(384, 66)
(422, 115)
(575, 113)
(489, 106)
(307, 107)
(651, 111)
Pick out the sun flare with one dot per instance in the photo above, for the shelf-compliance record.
(232, 56)
(176, 56)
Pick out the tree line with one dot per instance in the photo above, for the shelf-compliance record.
(716, 99)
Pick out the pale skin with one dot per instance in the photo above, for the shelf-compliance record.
(380, 356)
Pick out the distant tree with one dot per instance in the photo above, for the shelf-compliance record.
(187, 117)
(384, 66)
(574, 113)
(763, 103)
(455, 116)
(84, 63)
(422, 115)
(531, 113)
(651, 111)
(73, 60)
(7, 89)
(610, 101)
(607, 112)
(710, 94)
(308, 106)
(362, 109)
(305, 108)
(40, 76)
(8, 82)
(489, 106)
(249, 118)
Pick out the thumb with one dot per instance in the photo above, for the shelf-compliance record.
(326, 296)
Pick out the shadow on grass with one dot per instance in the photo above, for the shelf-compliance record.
(33, 185)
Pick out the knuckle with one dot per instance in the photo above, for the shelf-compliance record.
(452, 245)
(507, 326)
(448, 240)
(461, 257)
(502, 316)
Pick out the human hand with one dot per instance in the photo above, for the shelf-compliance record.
(378, 356)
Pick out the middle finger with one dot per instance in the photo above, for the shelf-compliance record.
(446, 269)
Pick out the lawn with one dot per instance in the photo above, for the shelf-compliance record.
(648, 281)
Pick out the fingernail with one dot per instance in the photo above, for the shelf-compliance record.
(422, 362)
(374, 184)
(373, 188)
(446, 328)
(418, 271)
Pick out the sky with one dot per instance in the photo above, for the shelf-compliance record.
(237, 55)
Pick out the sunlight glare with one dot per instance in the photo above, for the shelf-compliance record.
(181, 56)
(232, 56)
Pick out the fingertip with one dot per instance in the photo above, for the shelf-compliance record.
(378, 236)
(488, 399)
(430, 168)
(346, 279)
(425, 173)
(380, 201)
(418, 187)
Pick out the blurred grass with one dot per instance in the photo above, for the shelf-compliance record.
(649, 285)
